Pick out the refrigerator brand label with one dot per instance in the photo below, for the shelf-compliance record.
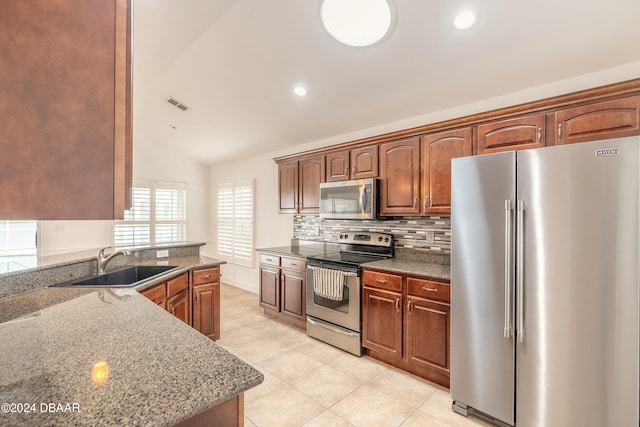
(607, 152)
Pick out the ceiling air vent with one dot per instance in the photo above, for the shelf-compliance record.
(171, 100)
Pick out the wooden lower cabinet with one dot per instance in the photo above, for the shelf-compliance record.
(178, 305)
(408, 328)
(173, 296)
(157, 294)
(283, 284)
(206, 301)
(229, 413)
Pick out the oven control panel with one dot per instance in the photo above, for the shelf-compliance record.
(366, 238)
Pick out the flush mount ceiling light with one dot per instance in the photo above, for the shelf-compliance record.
(300, 91)
(356, 23)
(464, 20)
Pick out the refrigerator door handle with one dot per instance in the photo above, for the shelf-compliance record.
(508, 231)
(520, 269)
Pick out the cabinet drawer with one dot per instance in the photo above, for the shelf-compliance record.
(428, 289)
(297, 264)
(379, 280)
(270, 260)
(206, 275)
(177, 285)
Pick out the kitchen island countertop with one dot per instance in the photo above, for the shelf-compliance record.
(160, 370)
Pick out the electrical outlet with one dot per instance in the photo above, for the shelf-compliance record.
(162, 254)
(430, 237)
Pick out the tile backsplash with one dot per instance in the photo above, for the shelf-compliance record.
(431, 234)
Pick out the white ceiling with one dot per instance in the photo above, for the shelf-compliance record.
(236, 62)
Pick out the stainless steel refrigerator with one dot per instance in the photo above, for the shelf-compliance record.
(544, 285)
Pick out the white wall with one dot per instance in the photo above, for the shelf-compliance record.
(274, 230)
(150, 162)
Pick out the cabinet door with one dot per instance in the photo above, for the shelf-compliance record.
(400, 177)
(382, 321)
(427, 334)
(364, 162)
(338, 166)
(513, 134)
(293, 294)
(179, 306)
(438, 150)
(603, 120)
(206, 309)
(66, 123)
(288, 186)
(157, 294)
(270, 287)
(311, 174)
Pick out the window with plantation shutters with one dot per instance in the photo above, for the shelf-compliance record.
(158, 215)
(235, 222)
(17, 245)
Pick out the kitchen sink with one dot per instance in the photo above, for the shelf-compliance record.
(126, 277)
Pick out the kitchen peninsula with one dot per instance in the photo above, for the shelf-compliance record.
(76, 356)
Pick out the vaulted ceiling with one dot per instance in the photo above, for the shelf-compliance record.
(235, 64)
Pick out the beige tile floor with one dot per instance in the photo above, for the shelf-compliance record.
(310, 383)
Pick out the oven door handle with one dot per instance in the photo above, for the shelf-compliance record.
(324, 325)
(346, 273)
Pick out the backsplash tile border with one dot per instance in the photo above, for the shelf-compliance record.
(408, 232)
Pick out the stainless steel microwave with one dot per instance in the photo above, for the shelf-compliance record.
(355, 199)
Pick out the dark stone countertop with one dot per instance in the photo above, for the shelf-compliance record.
(302, 251)
(411, 267)
(160, 370)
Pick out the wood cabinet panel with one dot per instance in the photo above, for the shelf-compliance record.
(428, 289)
(382, 321)
(438, 150)
(338, 166)
(205, 275)
(178, 305)
(288, 186)
(157, 294)
(602, 120)
(376, 279)
(428, 333)
(293, 294)
(400, 177)
(65, 105)
(177, 285)
(206, 309)
(364, 162)
(270, 287)
(513, 134)
(311, 174)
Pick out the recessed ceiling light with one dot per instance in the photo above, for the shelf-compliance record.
(356, 22)
(300, 91)
(464, 20)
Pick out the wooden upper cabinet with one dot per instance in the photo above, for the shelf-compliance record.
(400, 177)
(311, 174)
(610, 119)
(512, 134)
(438, 150)
(66, 109)
(299, 184)
(358, 163)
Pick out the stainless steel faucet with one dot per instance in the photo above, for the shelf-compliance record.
(104, 260)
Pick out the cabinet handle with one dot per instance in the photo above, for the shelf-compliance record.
(415, 202)
(397, 304)
(346, 170)
(206, 276)
(560, 132)
(426, 202)
(301, 206)
(408, 307)
(381, 281)
(296, 205)
(539, 135)
(197, 297)
(294, 264)
(424, 288)
(353, 171)
(173, 311)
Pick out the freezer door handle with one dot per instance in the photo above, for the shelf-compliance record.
(520, 270)
(508, 231)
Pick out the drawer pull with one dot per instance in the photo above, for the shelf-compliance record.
(381, 281)
(409, 307)
(197, 297)
(173, 311)
(268, 259)
(397, 304)
(206, 276)
(294, 264)
(424, 288)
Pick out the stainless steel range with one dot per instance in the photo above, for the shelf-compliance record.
(334, 289)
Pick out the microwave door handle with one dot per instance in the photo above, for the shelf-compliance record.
(361, 198)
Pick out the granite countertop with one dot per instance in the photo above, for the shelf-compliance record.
(412, 267)
(160, 370)
(303, 251)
